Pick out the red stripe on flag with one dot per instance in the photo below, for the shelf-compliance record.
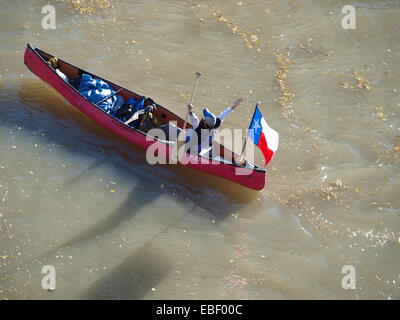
(263, 145)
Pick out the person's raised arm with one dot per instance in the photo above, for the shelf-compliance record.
(227, 111)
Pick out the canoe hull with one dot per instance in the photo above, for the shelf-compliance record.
(253, 179)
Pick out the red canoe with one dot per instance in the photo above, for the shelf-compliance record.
(36, 60)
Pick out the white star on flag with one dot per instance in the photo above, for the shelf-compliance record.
(257, 124)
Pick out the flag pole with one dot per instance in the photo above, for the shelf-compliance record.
(244, 147)
(245, 141)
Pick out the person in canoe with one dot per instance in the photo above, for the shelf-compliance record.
(205, 129)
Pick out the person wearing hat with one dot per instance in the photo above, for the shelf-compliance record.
(205, 129)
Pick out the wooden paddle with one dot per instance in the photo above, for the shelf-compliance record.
(198, 75)
(179, 145)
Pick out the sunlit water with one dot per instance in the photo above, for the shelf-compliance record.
(77, 197)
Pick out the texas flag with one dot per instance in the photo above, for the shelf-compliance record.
(263, 136)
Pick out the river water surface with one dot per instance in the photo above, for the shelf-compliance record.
(77, 197)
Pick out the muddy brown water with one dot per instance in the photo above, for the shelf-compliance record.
(79, 198)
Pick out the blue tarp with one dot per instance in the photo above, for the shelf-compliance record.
(95, 90)
(136, 104)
